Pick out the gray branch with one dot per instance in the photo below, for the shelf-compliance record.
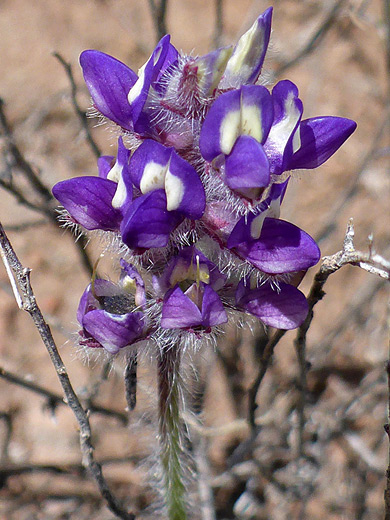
(20, 280)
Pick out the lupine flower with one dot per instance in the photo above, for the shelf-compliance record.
(203, 163)
(106, 312)
(190, 283)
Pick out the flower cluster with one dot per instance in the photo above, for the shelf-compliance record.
(193, 195)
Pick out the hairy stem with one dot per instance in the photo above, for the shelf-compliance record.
(170, 431)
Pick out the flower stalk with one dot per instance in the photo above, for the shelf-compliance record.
(170, 433)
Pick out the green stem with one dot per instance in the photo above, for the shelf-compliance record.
(170, 431)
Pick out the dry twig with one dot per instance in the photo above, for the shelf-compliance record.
(370, 261)
(218, 27)
(158, 9)
(314, 41)
(80, 113)
(15, 159)
(54, 400)
(20, 280)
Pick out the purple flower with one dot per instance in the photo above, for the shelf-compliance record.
(259, 134)
(199, 177)
(273, 245)
(93, 202)
(171, 190)
(116, 90)
(106, 313)
(281, 248)
(191, 282)
(88, 200)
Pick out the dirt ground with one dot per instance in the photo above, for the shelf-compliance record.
(342, 475)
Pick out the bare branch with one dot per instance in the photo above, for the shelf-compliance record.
(350, 192)
(131, 379)
(300, 348)
(158, 9)
(218, 28)
(80, 113)
(20, 160)
(368, 261)
(264, 363)
(25, 226)
(331, 264)
(27, 302)
(9, 470)
(54, 399)
(314, 41)
(47, 206)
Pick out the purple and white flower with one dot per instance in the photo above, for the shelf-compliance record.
(106, 312)
(203, 163)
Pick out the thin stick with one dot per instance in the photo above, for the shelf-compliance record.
(369, 261)
(80, 113)
(264, 363)
(131, 379)
(19, 158)
(331, 264)
(158, 9)
(54, 399)
(300, 347)
(46, 208)
(218, 28)
(314, 41)
(20, 278)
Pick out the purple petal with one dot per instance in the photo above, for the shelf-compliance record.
(221, 127)
(257, 112)
(282, 308)
(114, 331)
(88, 300)
(105, 163)
(154, 166)
(171, 59)
(276, 194)
(88, 201)
(147, 222)
(183, 188)
(147, 75)
(247, 167)
(244, 66)
(213, 312)
(178, 311)
(288, 110)
(109, 82)
(249, 227)
(148, 164)
(281, 248)
(320, 137)
(248, 111)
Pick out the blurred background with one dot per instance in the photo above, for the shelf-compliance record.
(338, 53)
